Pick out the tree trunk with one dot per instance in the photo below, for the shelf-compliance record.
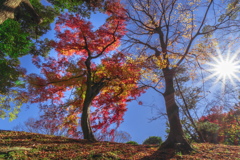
(85, 121)
(7, 8)
(175, 138)
(92, 91)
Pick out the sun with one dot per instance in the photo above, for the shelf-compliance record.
(225, 68)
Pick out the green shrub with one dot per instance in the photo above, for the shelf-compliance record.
(209, 131)
(132, 142)
(153, 140)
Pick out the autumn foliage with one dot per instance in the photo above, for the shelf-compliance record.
(89, 71)
(227, 123)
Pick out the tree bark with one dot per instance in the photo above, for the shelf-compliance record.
(175, 138)
(8, 7)
(91, 92)
(85, 121)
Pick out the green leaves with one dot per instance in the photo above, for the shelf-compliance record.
(11, 102)
(9, 73)
(208, 127)
(208, 30)
(13, 41)
(18, 82)
(153, 140)
(82, 7)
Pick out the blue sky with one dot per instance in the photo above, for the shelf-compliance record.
(136, 120)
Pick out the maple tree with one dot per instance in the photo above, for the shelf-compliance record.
(91, 70)
(166, 33)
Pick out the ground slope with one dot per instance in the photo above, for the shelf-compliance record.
(23, 145)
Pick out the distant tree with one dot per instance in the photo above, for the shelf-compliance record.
(118, 136)
(132, 142)
(221, 127)
(153, 140)
(50, 127)
(209, 131)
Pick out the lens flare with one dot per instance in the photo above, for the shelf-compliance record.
(225, 67)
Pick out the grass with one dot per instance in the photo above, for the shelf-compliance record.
(23, 145)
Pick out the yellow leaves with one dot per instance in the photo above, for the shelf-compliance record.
(100, 48)
(214, 42)
(103, 72)
(192, 75)
(179, 6)
(187, 36)
(188, 19)
(71, 119)
(159, 61)
(151, 23)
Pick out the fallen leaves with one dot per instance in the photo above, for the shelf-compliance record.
(23, 145)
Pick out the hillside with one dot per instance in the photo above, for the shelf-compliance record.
(23, 145)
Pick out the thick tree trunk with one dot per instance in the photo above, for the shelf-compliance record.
(91, 92)
(7, 8)
(85, 121)
(175, 138)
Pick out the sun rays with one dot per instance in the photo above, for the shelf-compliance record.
(225, 68)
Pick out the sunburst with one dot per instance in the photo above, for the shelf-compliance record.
(225, 68)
